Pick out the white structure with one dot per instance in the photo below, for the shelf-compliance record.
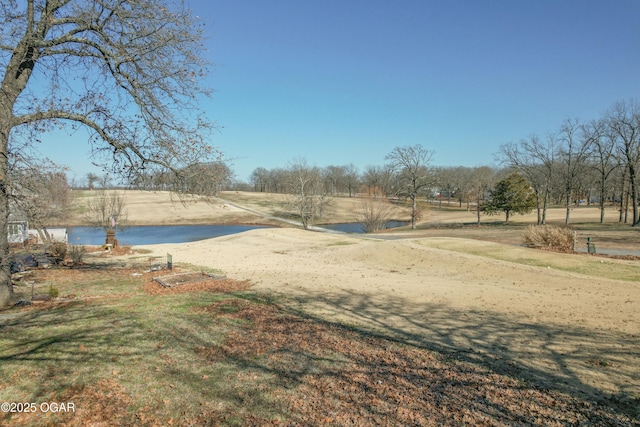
(17, 228)
(17, 231)
(56, 235)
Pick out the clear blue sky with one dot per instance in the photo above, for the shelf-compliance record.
(345, 81)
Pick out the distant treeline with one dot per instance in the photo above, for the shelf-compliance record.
(582, 162)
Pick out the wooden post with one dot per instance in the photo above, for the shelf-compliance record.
(111, 238)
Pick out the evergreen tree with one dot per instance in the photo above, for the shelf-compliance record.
(512, 194)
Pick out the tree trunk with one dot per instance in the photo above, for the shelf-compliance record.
(634, 193)
(6, 288)
(621, 216)
(626, 206)
(507, 219)
(603, 190)
(414, 208)
(622, 195)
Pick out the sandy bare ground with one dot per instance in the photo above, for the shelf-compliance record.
(577, 332)
(565, 331)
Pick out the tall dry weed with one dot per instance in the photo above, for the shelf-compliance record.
(374, 214)
(551, 237)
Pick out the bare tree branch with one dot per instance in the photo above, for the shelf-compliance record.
(128, 71)
(411, 162)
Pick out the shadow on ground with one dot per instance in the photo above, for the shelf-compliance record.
(242, 360)
(595, 365)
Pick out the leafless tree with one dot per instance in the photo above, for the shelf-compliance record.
(92, 178)
(352, 178)
(445, 180)
(107, 210)
(372, 177)
(535, 160)
(455, 181)
(411, 163)
(622, 188)
(483, 178)
(206, 179)
(464, 178)
(129, 72)
(38, 189)
(604, 160)
(574, 152)
(309, 197)
(278, 178)
(334, 177)
(374, 213)
(623, 119)
(260, 179)
(203, 179)
(106, 181)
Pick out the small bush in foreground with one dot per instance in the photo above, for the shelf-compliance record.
(58, 250)
(552, 237)
(54, 292)
(77, 254)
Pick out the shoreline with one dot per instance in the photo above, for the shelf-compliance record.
(448, 292)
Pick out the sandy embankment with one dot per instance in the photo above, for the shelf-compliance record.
(567, 331)
(164, 208)
(572, 332)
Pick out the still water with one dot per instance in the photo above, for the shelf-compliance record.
(356, 227)
(152, 234)
(155, 234)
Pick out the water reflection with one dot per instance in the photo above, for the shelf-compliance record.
(155, 234)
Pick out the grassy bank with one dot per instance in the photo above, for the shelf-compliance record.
(125, 351)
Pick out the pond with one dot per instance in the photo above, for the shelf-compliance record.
(155, 234)
(356, 227)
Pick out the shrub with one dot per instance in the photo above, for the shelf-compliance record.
(58, 250)
(552, 237)
(374, 214)
(77, 253)
(53, 292)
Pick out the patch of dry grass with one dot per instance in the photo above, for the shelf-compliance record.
(608, 268)
(325, 374)
(214, 354)
(552, 237)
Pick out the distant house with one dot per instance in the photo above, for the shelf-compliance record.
(17, 228)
